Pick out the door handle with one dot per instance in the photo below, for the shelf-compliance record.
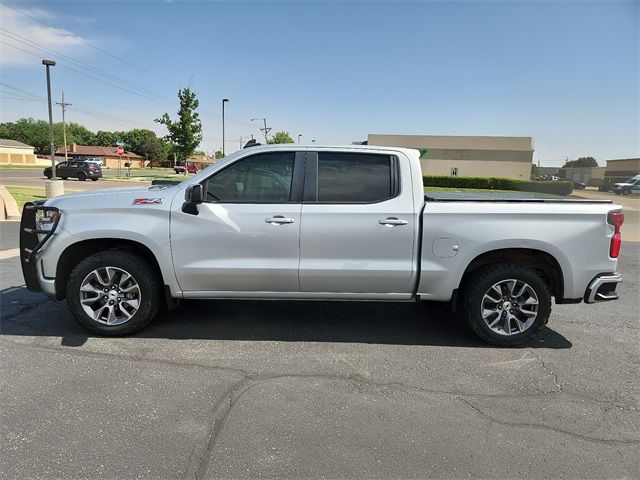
(279, 220)
(392, 222)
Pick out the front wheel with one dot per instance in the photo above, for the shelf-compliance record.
(94, 179)
(113, 292)
(82, 176)
(506, 304)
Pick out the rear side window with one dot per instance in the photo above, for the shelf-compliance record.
(262, 178)
(355, 178)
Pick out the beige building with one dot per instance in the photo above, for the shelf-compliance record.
(506, 157)
(621, 170)
(16, 152)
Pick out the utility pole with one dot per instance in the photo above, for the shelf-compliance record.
(64, 125)
(266, 129)
(53, 187)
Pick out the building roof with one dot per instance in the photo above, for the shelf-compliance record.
(4, 142)
(456, 142)
(92, 151)
(624, 159)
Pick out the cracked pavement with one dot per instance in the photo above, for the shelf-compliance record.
(227, 389)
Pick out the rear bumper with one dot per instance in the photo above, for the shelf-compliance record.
(603, 288)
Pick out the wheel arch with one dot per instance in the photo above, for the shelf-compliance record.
(538, 260)
(76, 252)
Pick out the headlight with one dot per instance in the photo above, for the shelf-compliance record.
(45, 220)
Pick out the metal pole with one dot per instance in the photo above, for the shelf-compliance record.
(224, 100)
(53, 147)
(299, 135)
(64, 125)
(266, 139)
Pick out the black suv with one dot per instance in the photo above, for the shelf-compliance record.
(76, 169)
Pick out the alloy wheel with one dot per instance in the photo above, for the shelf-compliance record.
(110, 295)
(509, 307)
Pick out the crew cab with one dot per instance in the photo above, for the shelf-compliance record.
(319, 223)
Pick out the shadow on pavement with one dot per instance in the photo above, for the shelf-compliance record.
(29, 314)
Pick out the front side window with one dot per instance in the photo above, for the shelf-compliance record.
(261, 178)
(354, 178)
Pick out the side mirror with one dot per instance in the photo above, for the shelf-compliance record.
(195, 194)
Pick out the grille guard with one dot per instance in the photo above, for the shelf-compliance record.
(30, 245)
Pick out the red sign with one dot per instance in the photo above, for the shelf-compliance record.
(120, 150)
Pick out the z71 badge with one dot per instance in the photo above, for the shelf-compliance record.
(147, 201)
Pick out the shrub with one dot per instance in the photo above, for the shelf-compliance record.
(496, 183)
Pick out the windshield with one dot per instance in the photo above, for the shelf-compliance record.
(633, 179)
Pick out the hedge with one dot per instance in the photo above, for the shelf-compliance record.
(496, 183)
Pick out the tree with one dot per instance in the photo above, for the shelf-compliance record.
(30, 131)
(218, 155)
(281, 137)
(185, 134)
(581, 162)
(108, 139)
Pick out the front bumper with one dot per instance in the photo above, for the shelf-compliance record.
(603, 288)
(31, 244)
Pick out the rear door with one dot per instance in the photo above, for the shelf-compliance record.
(245, 237)
(358, 224)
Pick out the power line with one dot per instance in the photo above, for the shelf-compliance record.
(126, 86)
(94, 47)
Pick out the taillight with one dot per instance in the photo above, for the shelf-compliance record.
(616, 219)
(91, 170)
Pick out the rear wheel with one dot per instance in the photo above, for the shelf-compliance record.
(94, 179)
(64, 178)
(113, 292)
(506, 304)
(48, 175)
(82, 176)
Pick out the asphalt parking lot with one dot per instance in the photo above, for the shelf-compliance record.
(289, 389)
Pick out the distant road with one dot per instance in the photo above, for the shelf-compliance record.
(33, 178)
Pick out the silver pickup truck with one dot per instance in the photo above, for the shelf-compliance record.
(319, 223)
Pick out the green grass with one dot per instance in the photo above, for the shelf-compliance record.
(468, 190)
(24, 195)
(18, 165)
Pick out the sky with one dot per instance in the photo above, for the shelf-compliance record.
(563, 72)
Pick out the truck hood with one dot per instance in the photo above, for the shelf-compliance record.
(114, 197)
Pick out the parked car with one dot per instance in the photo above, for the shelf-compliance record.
(627, 188)
(324, 223)
(92, 160)
(190, 168)
(76, 169)
(579, 185)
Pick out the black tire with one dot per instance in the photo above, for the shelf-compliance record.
(48, 175)
(142, 272)
(626, 192)
(64, 178)
(482, 280)
(82, 176)
(94, 179)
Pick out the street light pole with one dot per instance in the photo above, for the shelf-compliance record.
(299, 135)
(47, 64)
(224, 100)
(52, 187)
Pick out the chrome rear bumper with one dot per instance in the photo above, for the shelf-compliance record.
(603, 288)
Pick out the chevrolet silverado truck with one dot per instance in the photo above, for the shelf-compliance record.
(319, 223)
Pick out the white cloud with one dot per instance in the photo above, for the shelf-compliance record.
(28, 35)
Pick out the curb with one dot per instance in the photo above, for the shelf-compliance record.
(10, 210)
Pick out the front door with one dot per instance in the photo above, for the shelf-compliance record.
(245, 237)
(358, 231)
